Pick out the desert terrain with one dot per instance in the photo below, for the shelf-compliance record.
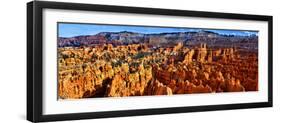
(131, 64)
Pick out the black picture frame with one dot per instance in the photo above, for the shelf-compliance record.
(35, 69)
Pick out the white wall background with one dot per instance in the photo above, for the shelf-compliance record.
(13, 61)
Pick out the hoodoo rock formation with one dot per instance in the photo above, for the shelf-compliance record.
(138, 69)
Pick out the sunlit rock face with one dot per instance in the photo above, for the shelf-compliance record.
(143, 69)
(189, 56)
(129, 84)
(201, 53)
(158, 88)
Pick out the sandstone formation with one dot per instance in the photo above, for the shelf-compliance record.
(111, 70)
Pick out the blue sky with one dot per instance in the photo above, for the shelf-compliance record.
(71, 30)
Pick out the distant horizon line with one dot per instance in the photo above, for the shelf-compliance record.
(70, 30)
(162, 33)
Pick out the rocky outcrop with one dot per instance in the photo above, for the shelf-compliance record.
(189, 56)
(157, 88)
(189, 88)
(112, 70)
(117, 87)
(201, 53)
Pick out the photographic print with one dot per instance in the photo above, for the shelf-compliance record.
(88, 61)
(106, 60)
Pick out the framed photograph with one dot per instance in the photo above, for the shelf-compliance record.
(94, 61)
